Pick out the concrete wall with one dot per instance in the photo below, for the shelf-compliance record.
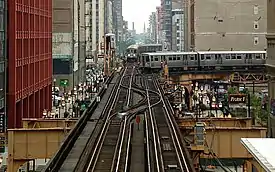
(222, 25)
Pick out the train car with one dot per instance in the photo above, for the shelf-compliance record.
(133, 52)
(204, 60)
(155, 61)
(227, 59)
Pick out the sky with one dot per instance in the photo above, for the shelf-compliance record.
(138, 11)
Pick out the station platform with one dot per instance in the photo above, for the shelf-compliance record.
(262, 149)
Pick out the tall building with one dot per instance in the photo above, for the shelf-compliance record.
(158, 24)
(97, 27)
(166, 21)
(271, 65)
(68, 44)
(109, 17)
(178, 30)
(29, 59)
(3, 59)
(153, 27)
(118, 23)
(231, 24)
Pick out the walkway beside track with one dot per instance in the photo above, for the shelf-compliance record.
(137, 157)
(77, 150)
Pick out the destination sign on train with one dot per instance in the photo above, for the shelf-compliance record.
(237, 98)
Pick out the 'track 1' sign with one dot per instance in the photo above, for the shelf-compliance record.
(237, 98)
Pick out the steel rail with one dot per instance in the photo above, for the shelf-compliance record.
(173, 132)
(56, 161)
(125, 121)
(153, 129)
(104, 130)
(147, 142)
(128, 147)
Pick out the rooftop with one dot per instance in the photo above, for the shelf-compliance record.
(262, 149)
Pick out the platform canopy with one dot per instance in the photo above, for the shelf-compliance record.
(262, 150)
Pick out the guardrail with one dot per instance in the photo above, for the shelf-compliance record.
(57, 160)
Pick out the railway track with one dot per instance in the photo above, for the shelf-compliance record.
(108, 146)
(112, 149)
(168, 153)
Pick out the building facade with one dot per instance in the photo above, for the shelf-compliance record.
(68, 44)
(166, 22)
(158, 24)
(230, 25)
(178, 30)
(118, 25)
(271, 66)
(3, 68)
(153, 27)
(29, 60)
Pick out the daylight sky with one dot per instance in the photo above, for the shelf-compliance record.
(138, 11)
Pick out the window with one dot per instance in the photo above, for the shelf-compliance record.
(256, 25)
(178, 27)
(256, 9)
(256, 40)
(178, 41)
(178, 34)
(178, 20)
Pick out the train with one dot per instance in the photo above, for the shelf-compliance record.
(133, 52)
(203, 60)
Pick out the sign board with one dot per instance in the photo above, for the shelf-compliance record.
(137, 119)
(237, 98)
(64, 82)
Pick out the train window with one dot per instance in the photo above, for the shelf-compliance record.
(156, 59)
(152, 59)
(233, 56)
(174, 58)
(191, 57)
(208, 57)
(170, 58)
(178, 57)
(257, 56)
(239, 56)
(264, 57)
(147, 58)
(227, 56)
(202, 57)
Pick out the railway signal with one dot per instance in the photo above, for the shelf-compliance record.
(138, 120)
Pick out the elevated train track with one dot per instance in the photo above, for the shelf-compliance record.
(101, 140)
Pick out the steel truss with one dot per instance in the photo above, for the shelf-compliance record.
(240, 78)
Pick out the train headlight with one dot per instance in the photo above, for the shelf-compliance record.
(128, 55)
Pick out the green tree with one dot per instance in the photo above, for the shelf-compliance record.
(232, 90)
